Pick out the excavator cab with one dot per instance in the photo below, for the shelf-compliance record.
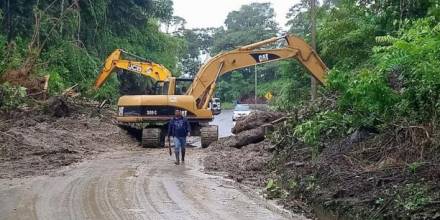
(172, 86)
(182, 85)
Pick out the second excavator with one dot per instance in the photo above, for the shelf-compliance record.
(140, 66)
(151, 113)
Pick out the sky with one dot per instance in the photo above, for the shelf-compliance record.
(212, 13)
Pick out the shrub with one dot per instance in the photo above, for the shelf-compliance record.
(12, 97)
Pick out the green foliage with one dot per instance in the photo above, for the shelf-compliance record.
(323, 124)
(365, 95)
(233, 91)
(414, 57)
(346, 36)
(413, 197)
(75, 36)
(227, 105)
(12, 54)
(12, 97)
(391, 78)
(70, 64)
(292, 87)
(253, 16)
(250, 24)
(273, 190)
(198, 42)
(413, 167)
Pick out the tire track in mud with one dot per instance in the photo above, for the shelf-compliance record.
(132, 185)
(143, 203)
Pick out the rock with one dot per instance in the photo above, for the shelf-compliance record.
(57, 107)
(359, 136)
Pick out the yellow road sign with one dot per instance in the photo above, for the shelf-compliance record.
(268, 96)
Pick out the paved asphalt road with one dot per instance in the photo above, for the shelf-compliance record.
(225, 123)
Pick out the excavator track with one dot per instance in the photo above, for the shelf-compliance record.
(151, 137)
(208, 135)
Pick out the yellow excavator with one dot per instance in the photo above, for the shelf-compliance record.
(157, 72)
(151, 113)
(144, 67)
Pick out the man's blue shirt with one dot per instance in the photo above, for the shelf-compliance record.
(179, 127)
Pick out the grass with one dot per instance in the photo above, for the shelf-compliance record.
(227, 105)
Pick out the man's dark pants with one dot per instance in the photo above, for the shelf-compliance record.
(179, 146)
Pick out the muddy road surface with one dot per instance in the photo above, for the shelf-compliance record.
(142, 184)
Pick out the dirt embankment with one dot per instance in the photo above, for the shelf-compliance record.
(59, 133)
(364, 176)
(394, 174)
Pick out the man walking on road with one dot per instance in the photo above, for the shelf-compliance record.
(179, 128)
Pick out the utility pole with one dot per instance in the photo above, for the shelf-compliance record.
(313, 89)
(61, 17)
(255, 98)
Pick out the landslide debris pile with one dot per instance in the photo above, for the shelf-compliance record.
(392, 174)
(245, 155)
(61, 132)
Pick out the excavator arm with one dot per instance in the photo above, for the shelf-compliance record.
(204, 83)
(146, 68)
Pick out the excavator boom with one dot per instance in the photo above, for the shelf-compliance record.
(146, 68)
(253, 54)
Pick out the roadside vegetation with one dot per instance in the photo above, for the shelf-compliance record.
(368, 148)
(68, 40)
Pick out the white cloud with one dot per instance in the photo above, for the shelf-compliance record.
(212, 13)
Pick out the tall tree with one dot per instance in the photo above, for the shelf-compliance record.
(314, 84)
(250, 24)
(198, 42)
(73, 37)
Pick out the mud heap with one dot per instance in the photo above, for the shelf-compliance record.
(244, 156)
(60, 132)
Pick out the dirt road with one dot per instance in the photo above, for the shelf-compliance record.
(130, 185)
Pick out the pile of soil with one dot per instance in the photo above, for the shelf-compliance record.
(245, 165)
(244, 156)
(38, 141)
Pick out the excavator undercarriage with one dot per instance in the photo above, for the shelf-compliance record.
(153, 120)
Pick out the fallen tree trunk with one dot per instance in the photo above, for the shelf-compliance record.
(256, 119)
(242, 139)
